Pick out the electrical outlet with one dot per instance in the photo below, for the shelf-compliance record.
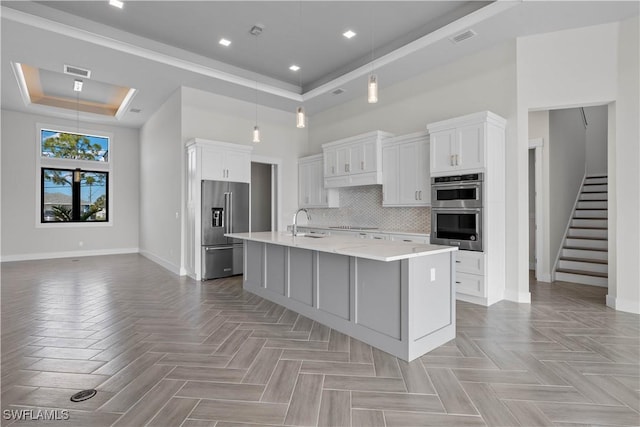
(433, 274)
(81, 243)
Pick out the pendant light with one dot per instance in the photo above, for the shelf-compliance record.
(256, 30)
(300, 115)
(372, 86)
(300, 118)
(256, 129)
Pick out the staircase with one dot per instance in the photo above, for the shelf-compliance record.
(584, 254)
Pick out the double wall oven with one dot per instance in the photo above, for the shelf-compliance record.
(456, 211)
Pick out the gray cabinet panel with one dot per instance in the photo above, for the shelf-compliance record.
(276, 269)
(254, 271)
(434, 294)
(378, 284)
(333, 284)
(300, 281)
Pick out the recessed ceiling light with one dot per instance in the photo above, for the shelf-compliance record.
(294, 68)
(77, 85)
(116, 3)
(349, 34)
(225, 42)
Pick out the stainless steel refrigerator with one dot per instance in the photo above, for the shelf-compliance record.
(225, 209)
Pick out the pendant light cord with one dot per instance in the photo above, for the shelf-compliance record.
(257, 50)
(372, 42)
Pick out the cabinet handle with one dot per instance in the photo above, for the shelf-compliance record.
(362, 165)
(457, 163)
(333, 169)
(420, 195)
(415, 196)
(451, 160)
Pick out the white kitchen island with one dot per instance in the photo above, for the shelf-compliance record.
(396, 296)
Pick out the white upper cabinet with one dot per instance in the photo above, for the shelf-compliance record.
(460, 145)
(311, 191)
(222, 161)
(354, 161)
(405, 164)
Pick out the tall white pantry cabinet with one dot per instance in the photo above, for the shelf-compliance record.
(469, 144)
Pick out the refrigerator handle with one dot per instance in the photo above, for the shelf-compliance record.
(226, 212)
(231, 212)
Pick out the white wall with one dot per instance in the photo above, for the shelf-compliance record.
(624, 191)
(593, 66)
(597, 140)
(532, 209)
(209, 116)
(21, 239)
(567, 160)
(161, 187)
(482, 81)
(538, 122)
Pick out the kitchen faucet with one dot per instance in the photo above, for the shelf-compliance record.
(294, 232)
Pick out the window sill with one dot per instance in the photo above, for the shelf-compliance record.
(74, 224)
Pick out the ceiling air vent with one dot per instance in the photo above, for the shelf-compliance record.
(135, 110)
(465, 35)
(77, 71)
(338, 91)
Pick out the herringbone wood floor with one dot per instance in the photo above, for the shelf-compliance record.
(163, 350)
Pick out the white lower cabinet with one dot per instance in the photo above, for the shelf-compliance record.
(469, 284)
(470, 274)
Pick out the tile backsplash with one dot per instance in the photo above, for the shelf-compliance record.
(362, 207)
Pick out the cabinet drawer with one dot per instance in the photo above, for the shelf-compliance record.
(377, 236)
(470, 262)
(470, 284)
(412, 239)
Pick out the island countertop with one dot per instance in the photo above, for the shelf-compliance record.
(378, 250)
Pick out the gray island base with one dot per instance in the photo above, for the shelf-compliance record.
(396, 296)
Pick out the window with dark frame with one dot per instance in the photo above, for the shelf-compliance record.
(72, 190)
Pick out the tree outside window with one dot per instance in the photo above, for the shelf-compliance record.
(75, 194)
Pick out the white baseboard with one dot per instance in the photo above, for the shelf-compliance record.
(515, 296)
(546, 278)
(620, 304)
(67, 254)
(162, 262)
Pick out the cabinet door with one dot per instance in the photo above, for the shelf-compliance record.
(441, 151)
(363, 157)
(408, 173)
(238, 166)
(212, 165)
(304, 197)
(343, 156)
(317, 193)
(423, 176)
(470, 147)
(390, 178)
(330, 162)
